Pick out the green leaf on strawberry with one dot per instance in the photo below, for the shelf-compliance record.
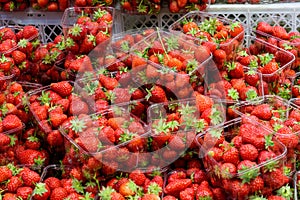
(286, 192)
(265, 58)
(77, 125)
(172, 43)
(105, 192)
(77, 186)
(233, 94)
(40, 189)
(269, 141)
(45, 98)
(247, 174)
(154, 188)
(251, 94)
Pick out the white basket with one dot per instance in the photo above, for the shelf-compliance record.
(49, 22)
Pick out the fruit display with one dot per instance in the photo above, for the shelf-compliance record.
(50, 6)
(277, 35)
(212, 32)
(243, 158)
(10, 6)
(198, 111)
(142, 7)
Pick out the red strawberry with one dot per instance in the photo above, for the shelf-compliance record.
(228, 170)
(52, 182)
(235, 70)
(235, 29)
(31, 157)
(77, 32)
(56, 119)
(248, 152)
(264, 27)
(24, 192)
(30, 31)
(14, 183)
(280, 32)
(256, 184)
(177, 186)
(137, 177)
(58, 193)
(11, 122)
(269, 70)
(156, 94)
(5, 173)
(275, 179)
(262, 111)
(30, 178)
(203, 191)
(231, 155)
(63, 88)
(203, 102)
(41, 191)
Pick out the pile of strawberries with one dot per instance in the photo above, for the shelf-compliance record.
(186, 114)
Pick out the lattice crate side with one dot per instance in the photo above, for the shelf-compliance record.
(297, 19)
(166, 19)
(284, 19)
(139, 21)
(51, 31)
(235, 16)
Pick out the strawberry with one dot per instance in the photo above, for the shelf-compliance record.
(177, 186)
(29, 32)
(52, 182)
(24, 192)
(262, 111)
(55, 139)
(30, 178)
(5, 173)
(31, 157)
(280, 32)
(56, 119)
(137, 177)
(275, 179)
(269, 69)
(248, 152)
(63, 88)
(235, 70)
(239, 190)
(228, 170)
(41, 191)
(14, 183)
(156, 94)
(101, 37)
(203, 102)
(264, 27)
(204, 191)
(77, 32)
(107, 82)
(231, 155)
(11, 122)
(150, 197)
(235, 29)
(256, 184)
(52, 6)
(58, 193)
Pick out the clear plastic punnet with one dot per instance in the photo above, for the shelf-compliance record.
(224, 150)
(207, 25)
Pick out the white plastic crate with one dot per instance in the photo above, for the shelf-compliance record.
(249, 14)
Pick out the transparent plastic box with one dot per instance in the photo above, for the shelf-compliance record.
(284, 112)
(128, 142)
(40, 97)
(53, 6)
(218, 86)
(71, 15)
(199, 17)
(219, 176)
